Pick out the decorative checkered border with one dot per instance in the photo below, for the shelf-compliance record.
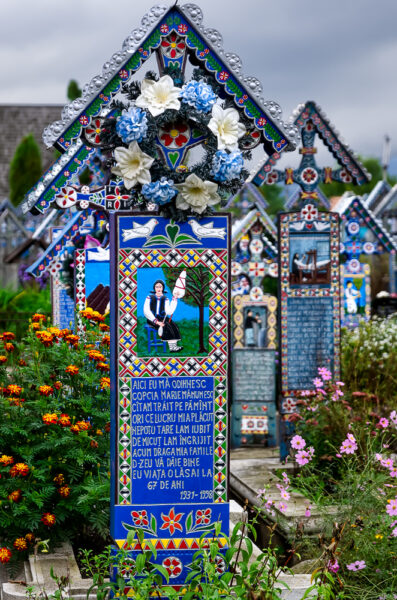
(239, 303)
(333, 291)
(216, 361)
(79, 288)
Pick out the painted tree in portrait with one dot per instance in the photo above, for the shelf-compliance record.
(197, 293)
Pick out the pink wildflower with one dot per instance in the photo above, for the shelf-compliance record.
(356, 566)
(318, 383)
(298, 442)
(393, 472)
(349, 445)
(333, 566)
(388, 463)
(285, 478)
(391, 507)
(383, 423)
(393, 417)
(394, 532)
(282, 507)
(302, 457)
(324, 373)
(308, 511)
(338, 455)
(340, 383)
(284, 494)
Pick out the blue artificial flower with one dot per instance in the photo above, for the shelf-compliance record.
(227, 166)
(198, 94)
(160, 192)
(131, 126)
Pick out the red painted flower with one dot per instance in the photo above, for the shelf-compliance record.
(139, 517)
(171, 521)
(173, 566)
(203, 517)
(182, 28)
(174, 134)
(93, 133)
(223, 75)
(173, 46)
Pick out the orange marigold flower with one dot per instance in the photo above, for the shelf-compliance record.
(5, 555)
(105, 382)
(64, 332)
(104, 327)
(48, 519)
(20, 544)
(92, 315)
(36, 326)
(8, 336)
(57, 385)
(89, 346)
(14, 390)
(6, 460)
(59, 479)
(95, 355)
(22, 362)
(15, 496)
(72, 369)
(9, 347)
(107, 427)
(64, 420)
(102, 366)
(99, 432)
(37, 317)
(3, 358)
(46, 338)
(72, 339)
(74, 428)
(55, 331)
(64, 491)
(106, 340)
(50, 418)
(94, 444)
(29, 537)
(46, 390)
(19, 469)
(16, 401)
(83, 425)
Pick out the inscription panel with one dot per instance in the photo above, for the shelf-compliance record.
(253, 375)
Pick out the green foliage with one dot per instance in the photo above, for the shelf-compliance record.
(369, 360)
(373, 166)
(73, 90)
(54, 436)
(275, 196)
(17, 306)
(25, 169)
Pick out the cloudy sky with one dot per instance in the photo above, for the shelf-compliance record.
(340, 53)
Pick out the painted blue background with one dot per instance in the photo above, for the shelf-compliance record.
(96, 272)
(207, 242)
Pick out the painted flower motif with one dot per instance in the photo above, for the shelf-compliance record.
(225, 166)
(48, 519)
(93, 133)
(21, 469)
(220, 564)
(72, 370)
(203, 517)
(158, 96)
(6, 460)
(309, 213)
(50, 418)
(20, 544)
(171, 521)
(198, 94)
(196, 194)
(132, 165)
(160, 192)
(173, 566)
(358, 565)
(226, 126)
(297, 442)
(140, 518)
(132, 125)
(5, 555)
(173, 46)
(175, 134)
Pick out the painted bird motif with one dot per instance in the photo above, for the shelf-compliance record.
(139, 230)
(207, 230)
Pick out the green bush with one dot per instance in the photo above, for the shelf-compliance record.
(54, 436)
(25, 169)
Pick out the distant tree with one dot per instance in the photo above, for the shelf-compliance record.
(197, 293)
(25, 169)
(275, 197)
(373, 166)
(73, 90)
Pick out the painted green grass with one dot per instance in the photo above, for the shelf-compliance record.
(189, 339)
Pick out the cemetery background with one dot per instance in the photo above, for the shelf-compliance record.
(373, 388)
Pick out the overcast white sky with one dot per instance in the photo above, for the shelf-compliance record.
(340, 53)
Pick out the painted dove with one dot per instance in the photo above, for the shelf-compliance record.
(321, 226)
(297, 226)
(139, 230)
(207, 230)
(99, 254)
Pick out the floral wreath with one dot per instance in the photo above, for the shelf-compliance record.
(151, 137)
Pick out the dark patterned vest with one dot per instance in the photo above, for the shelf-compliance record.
(154, 301)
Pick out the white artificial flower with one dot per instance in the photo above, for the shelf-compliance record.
(226, 126)
(196, 194)
(159, 95)
(132, 165)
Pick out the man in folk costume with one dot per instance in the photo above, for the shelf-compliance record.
(158, 311)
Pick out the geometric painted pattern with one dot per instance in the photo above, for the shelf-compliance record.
(79, 287)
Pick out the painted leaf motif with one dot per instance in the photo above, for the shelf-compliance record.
(153, 524)
(189, 521)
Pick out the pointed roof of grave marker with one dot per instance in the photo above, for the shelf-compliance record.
(249, 193)
(386, 203)
(351, 169)
(377, 195)
(204, 45)
(243, 226)
(350, 205)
